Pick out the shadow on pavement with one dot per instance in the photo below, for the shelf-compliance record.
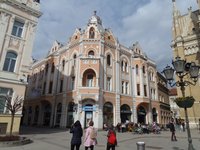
(24, 130)
(176, 148)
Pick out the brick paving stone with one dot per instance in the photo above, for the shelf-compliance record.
(59, 139)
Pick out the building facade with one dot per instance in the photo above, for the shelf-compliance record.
(18, 21)
(92, 77)
(163, 97)
(186, 44)
(174, 107)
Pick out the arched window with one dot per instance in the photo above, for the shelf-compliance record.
(137, 71)
(108, 60)
(9, 64)
(91, 34)
(126, 66)
(91, 54)
(63, 65)
(122, 65)
(75, 60)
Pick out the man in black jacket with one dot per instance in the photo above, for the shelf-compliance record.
(172, 129)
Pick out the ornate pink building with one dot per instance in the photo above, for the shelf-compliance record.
(93, 77)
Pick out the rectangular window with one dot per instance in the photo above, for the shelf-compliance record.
(138, 89)
(44, 88)
(50, 87)
(4, 92)
(73, 83)
(109, 83)
(17, 28)
(90, 80)
(63, 65)
(52, 68)
(145, 90)
(122, 87)
(61, 86)
(127, 92)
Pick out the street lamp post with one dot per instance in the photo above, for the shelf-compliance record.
(188, 73)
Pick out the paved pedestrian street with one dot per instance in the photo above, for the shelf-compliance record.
(59, 139)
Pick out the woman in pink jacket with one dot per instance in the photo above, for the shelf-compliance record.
(89, 141)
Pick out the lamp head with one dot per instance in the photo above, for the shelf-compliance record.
(179, 65)
(168, 73)
(194, 71)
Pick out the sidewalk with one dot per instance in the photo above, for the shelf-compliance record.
(59, 139)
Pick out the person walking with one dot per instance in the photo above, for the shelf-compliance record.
(172, 129)
(77, 133)
(90, 137)
(183, 124)
(112, 139)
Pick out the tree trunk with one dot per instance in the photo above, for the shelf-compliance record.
(12, 122)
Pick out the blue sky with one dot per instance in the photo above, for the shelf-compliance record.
(146, 21)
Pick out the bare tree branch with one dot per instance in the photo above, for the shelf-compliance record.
(13, 106)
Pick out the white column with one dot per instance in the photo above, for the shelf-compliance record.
(141, 82)
(117, 108)
(134, 88)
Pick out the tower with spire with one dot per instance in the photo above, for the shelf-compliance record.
(186, 44)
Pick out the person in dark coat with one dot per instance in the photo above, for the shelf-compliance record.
(77, 133)
(172, 129)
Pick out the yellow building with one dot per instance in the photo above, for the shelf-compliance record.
(18, 21)
(95, 77)
(186, 44)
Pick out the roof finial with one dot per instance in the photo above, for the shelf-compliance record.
(95, 12)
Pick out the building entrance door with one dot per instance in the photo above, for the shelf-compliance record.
(88, 117)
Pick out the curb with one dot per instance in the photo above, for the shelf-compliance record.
(22, 141)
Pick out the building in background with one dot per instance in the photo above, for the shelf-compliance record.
(174, 107)
(163, 97)
(18, 21)
(92, 77)
(186, 44)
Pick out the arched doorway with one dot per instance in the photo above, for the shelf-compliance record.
(108, 113)
(47, 115)
(154, 115)
(70, 116)
(125, 112)
(58, 114)
(141, 112)
(36, 115)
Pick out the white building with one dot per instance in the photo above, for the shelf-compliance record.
(18, 21)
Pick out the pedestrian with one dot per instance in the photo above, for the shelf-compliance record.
(172, 129)
(183, 125)
(90, 137)
(77, 133)
(112, 139)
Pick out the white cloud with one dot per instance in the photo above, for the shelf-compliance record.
(146, 21)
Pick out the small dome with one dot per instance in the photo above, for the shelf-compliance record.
(95, 19)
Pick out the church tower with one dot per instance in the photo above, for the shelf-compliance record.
(186, 44)
(18, 22)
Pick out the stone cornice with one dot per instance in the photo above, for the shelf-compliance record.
(22, 7)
